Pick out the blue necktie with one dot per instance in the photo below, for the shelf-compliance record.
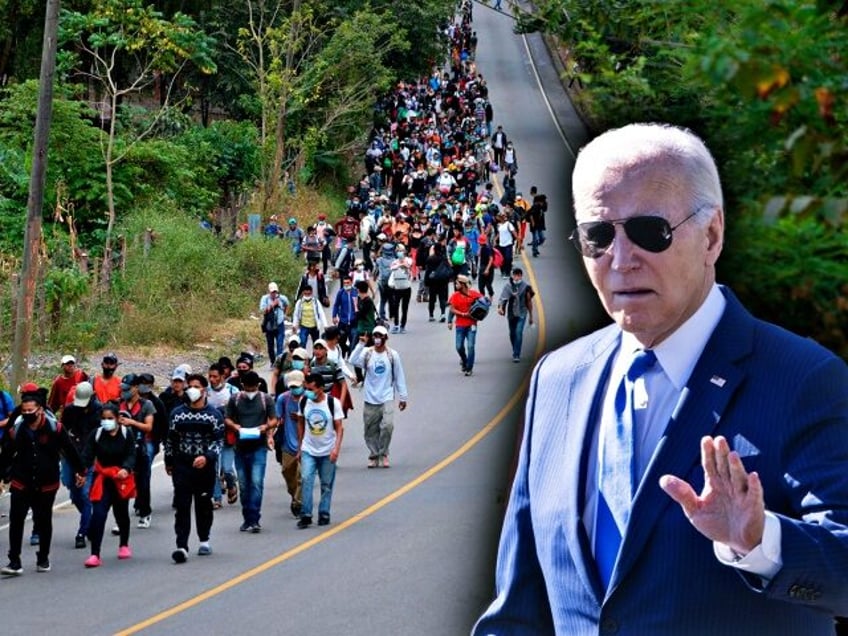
(616, 469)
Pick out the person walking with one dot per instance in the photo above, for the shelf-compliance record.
(400, 284)
(138, 414)
(516, 303)
(384, 380)
(110, 457)
(286, 437)
(251, 415)
(29, 457)
(308, 316)
(192, 448)
(273, 306)
(466, 327)
(320, 432)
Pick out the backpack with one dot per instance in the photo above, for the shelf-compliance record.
(458, 254)
(99, 431)
(367, 358)
(480, 308)
(399, 279)
(497, 257)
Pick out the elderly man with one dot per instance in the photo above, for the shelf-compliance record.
(683, 470)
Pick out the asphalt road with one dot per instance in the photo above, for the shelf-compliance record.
(411, 549)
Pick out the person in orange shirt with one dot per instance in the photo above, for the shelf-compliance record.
(107, 386)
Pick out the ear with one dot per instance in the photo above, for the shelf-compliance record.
(715, 237)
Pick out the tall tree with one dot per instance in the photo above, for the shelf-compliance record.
(122, 47)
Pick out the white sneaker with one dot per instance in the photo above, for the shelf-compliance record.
(144, 522)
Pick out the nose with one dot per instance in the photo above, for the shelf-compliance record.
(622, 251)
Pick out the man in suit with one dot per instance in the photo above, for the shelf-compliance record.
(737, 517)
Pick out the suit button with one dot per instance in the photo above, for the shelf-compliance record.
(609, 626)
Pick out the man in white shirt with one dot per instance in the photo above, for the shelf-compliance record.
(384, 378)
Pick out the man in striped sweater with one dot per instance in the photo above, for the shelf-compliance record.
(194, 441)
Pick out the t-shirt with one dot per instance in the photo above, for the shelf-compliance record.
(250, 414)
(462, 303)
(107, 390)
(505, 231)
(319, 432)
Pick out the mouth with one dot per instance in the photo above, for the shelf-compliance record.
(633, 293)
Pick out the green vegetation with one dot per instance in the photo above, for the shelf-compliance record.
(766, 85)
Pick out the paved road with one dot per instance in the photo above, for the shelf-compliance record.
(411, 549)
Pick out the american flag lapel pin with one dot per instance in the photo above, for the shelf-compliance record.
(718, 381)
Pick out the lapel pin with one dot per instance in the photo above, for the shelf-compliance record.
(719, 382)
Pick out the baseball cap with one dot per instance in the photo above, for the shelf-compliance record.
(300, 353)
(294, 338)
(178, 374)
(110, 358)
(29, 387)
(145, 383)
(82, 394)
(292, 221)
(294, 378)
(380, 330)
(68, 358)
(130, 379)
(320, 343)
(272, 287)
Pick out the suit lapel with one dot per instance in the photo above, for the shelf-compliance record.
(713, 382)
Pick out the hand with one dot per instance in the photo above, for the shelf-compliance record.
(334, 456)
(730, 509)
(122, 474)
(501, 312)
(169, 470)
(199, 461)
(402, 405)
(80, 481)
(450, 326)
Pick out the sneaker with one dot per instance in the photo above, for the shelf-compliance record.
(79, 541)
(295, 509)
(216, 504)
(403, 329)
(304, 522)
(516, 359)
(33, 539)
(205, 549)
(124, 552)
(386, 461)
(92, 562)
(255, 529)
(43, 565)
(244, 527)
(144, 522)
(14, 568)
(442, 318)
(372, 463)
(394, 329)
(232, 495)
(323, 519)
(115, 531)
(180, 555)
(468, 372)
(431, 319)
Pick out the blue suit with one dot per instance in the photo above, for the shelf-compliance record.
(782, 403)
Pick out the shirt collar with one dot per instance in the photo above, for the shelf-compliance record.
(678, 354)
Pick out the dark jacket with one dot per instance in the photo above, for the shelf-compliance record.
(108, 450)
(79, 421)
(29, 459)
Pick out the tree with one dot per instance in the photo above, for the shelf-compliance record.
(122, 47)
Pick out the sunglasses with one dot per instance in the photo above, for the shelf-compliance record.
(651, 233)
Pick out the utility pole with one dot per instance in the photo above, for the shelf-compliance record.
(35, 202)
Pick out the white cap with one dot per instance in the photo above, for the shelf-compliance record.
(68, 358)
(83, 393)
(380, 330)
(272, 287)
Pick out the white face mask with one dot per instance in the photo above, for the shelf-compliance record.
(194, 394)
(378, 341)
(108, 425)
(250, 394)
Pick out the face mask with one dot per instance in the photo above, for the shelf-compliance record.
(515, 282)
(29, 418)
(107, 372)
(126, 396)
(108, 425)
(310, 394)
(250, 394)
(347, 287)
(378, 341)
(297, 390)
(218, 386)
(194, 394)
(359, 268)
(298, 365)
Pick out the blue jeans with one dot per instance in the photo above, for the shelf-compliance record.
(305, 333)
(309, 465)
(250, 466)
(465, 339)
(226, 467)
(538, 239)
(516, 334)
(79, 496)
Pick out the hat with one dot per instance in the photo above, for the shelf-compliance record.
(178, 374)
(130, 379)
(68, 358)
(322, 216)
(381, 236)
(272, 287)
(110, 358)
(320, 343)
(380, 330)
(29, 387)
(294, 378)
(301, 353)
(185, 367)
(82, 394)
(463, 279)
(292, 221)
(518, 196)
(294, 338)
(145, 383)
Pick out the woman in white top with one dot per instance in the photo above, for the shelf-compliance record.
(400, 284)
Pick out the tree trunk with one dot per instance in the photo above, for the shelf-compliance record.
(35, 201)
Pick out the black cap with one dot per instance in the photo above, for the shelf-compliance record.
(110, 358)
(130, 379)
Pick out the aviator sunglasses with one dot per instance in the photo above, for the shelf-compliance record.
(651, 233)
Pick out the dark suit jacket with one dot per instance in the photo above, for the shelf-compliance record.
(782, 403)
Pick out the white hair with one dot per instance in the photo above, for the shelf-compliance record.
(635, 145)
